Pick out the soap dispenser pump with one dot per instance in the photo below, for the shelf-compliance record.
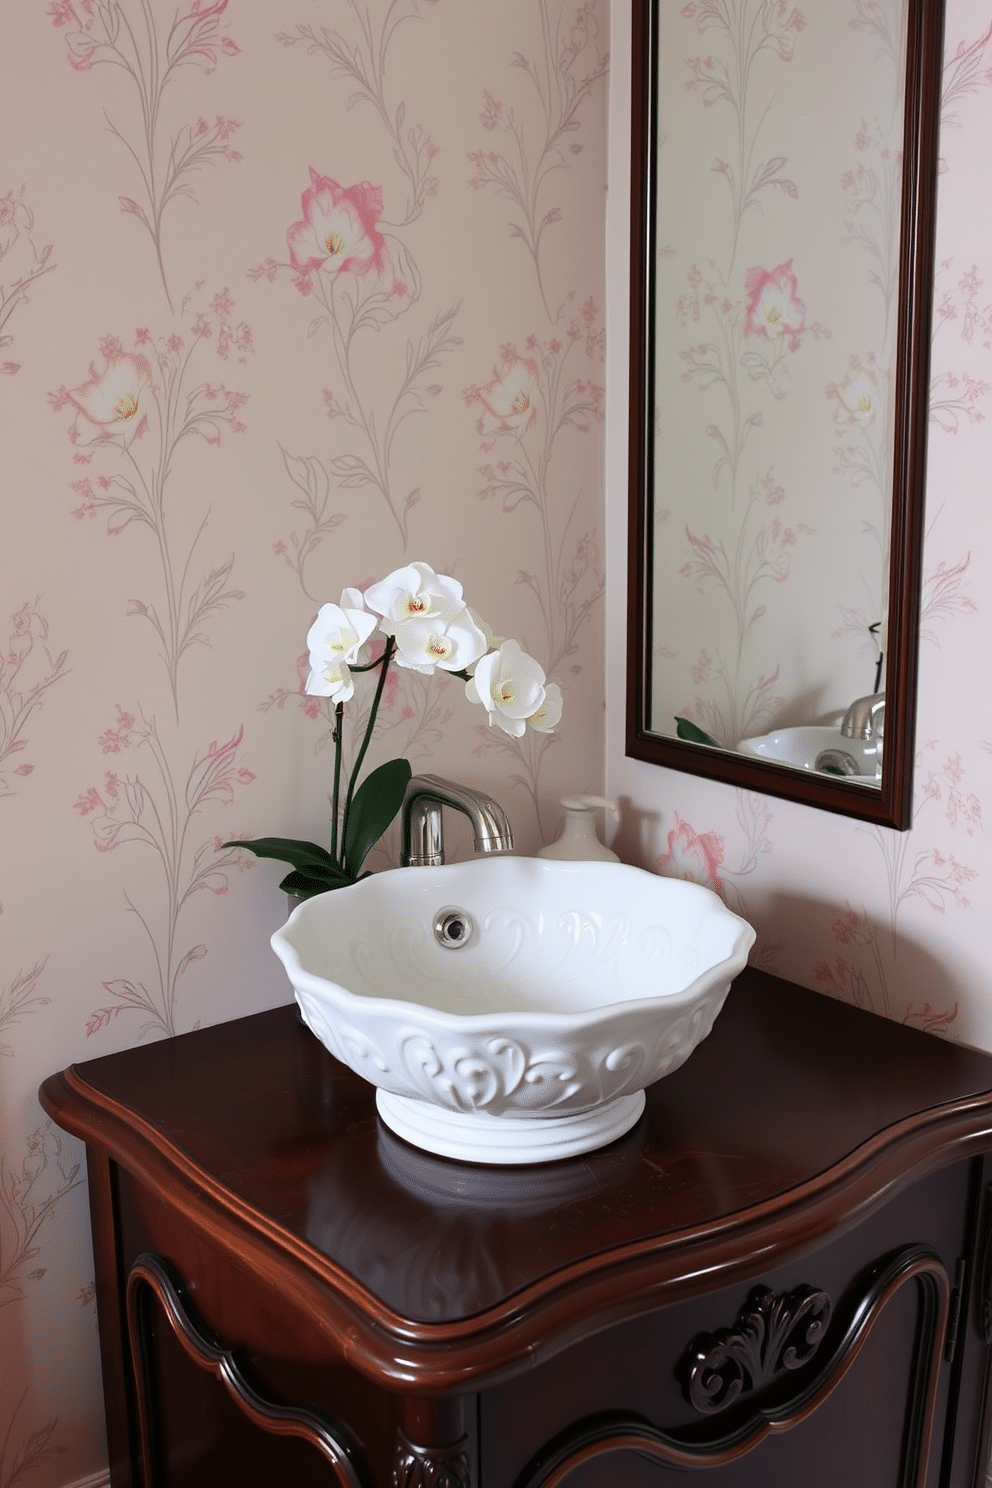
(578, 839)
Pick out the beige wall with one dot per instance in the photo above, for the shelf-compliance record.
(294, 435)
(897, 922)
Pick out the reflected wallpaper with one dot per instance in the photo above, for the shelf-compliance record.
(777, 276)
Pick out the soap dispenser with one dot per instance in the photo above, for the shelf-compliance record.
(578, 839)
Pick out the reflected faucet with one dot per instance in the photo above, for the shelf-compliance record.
(865, 717)
(423, 837)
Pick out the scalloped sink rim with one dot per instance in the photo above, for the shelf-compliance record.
(580, 984)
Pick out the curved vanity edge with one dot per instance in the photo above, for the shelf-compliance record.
(551, 1314)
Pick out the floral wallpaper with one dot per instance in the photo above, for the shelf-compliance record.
(894, 922)
(292, 296)
(774, 375)
(289, 298)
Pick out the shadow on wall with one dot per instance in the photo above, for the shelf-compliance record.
(639, 827)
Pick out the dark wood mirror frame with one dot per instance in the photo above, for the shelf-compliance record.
(891, 804)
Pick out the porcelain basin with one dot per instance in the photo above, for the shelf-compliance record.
(510, 1009)
(802, 746)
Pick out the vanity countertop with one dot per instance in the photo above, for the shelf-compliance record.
(795, 1119)
(781, 1274)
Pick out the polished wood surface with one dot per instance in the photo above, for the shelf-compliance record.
(813, 1172)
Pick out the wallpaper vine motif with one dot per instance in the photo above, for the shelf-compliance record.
(35, 1175)
(563, 75)
(131, 419)
(29, 667)
(23, 261)
(538, 396)
(149, 810)
(137, 408)
(151, 52)
(138, 416)
(364, 64)
(363, 280)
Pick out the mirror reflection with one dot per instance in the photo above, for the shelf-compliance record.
(783, 298)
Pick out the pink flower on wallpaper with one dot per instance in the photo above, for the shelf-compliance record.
(338, 231)
(693, 856)
(509, 402)
(857, 397)
(109, 405)
(774, 309)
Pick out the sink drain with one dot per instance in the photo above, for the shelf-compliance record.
(453, 928)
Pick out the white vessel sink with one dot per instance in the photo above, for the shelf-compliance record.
(525, 1027)
(802, 746)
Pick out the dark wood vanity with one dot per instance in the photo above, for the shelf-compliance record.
(781, 1276)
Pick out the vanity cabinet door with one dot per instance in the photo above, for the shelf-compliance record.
(830, 1372)
(225, 1379)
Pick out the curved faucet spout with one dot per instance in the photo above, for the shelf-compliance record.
(423, 837)
(864, 717)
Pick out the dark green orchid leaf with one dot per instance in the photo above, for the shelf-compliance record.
(308, 856)
(692, 733)
(305, 887)
(375, 804)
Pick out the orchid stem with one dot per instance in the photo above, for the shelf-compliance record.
(384, 661)
(338, 715)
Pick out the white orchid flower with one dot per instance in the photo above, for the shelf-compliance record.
(544, 718)
(493, 641)
(510, 685)
(335, 640)
(434, 640)
(413, 593)
(331, 679)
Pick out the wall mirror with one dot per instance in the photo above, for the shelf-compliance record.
(783, 207)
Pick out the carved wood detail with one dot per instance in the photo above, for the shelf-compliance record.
(151, 1276)
(752, 1423)
(772, 1333)
(431, 1467)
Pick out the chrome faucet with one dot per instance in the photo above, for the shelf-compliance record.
(423, 837)
(865, 717)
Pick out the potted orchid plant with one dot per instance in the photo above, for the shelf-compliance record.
(426, 626)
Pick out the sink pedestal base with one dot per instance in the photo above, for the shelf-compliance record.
(475, 1136)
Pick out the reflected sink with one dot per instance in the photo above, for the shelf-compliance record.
(802, 746)
(510, 1009)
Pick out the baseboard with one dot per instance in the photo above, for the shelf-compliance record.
(94, 1480)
